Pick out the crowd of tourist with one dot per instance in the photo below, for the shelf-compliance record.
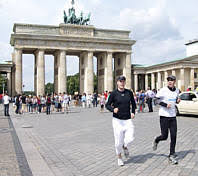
(56, 102)
(61, 102)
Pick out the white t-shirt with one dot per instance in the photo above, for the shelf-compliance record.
(169, 97)
(66, 99)
(6, 99)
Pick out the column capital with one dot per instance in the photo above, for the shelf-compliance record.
(39, 50)
(109, 52)
(129, 52)
(18, 48)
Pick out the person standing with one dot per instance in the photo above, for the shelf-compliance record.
(102, 102)
(6, 101)
(141, 99)
(95, 99)
(48, 104)
(149, 98)
(66, 99)
(119, 102)
(168, 97)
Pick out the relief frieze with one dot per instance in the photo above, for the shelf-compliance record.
(72, 44)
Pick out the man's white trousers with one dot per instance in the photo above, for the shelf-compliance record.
(123, 133)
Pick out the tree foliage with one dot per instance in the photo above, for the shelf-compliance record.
(49, 88)
(73, 85)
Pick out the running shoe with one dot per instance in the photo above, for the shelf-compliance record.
(155, 145)
(172, 159)
(120, 162)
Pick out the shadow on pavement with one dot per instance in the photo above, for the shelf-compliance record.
(21, 158)
(143, 158)
(183, 154)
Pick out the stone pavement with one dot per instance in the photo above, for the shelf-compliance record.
(81, 144)
(12, 159)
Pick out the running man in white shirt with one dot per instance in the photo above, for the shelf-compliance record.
(168, 97)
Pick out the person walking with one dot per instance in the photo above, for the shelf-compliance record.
(119, 102)
(141, 99)
(6, 101)
(168, 97)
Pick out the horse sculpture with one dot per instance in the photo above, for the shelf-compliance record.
(72, 19)
(86, 20)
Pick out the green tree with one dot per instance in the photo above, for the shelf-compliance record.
(73, 84)
(49, 88)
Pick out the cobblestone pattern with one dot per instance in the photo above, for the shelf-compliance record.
(81, 143)
(12, 158)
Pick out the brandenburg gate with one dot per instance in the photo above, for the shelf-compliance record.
(70, 39)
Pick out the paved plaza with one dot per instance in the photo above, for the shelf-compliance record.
(81, 144)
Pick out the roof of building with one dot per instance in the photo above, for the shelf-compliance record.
(191, 41)
(167, 62)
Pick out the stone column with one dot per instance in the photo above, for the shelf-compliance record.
(40, 60)
(35, 74)
(152, 81)
(56, 73)
(127, 69)
(182, 76)
(86, 73)
(81, 72)
(108, 81)
(136, 82)
(118, 66)
(13, 74)
(61, 57)
(192, 78)
(165, 78)
(89, 75)
(18, 71)
(146, 81)
(9, 83)
(159, 81)
(102, 72)
(173, 72)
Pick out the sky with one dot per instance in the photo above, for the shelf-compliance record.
(160, 27)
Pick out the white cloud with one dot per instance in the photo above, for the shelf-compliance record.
(157, 34)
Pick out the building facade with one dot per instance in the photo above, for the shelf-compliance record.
(154, 76)
(6, 70)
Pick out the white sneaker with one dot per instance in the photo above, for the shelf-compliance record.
(120, 162)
